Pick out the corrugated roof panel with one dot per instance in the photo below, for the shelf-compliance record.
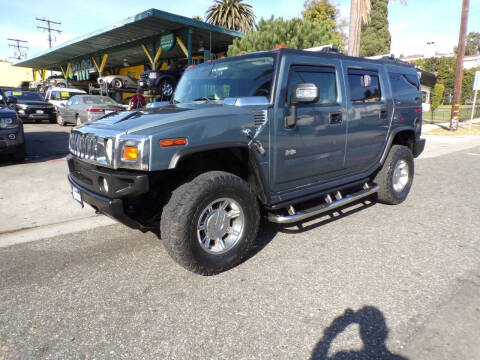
(141, 27)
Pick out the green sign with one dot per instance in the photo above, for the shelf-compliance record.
(167, 41)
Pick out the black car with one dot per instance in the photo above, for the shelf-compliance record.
(12, 139)
(162, 82)
(32, 106)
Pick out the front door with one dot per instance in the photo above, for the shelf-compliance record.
(312, 151)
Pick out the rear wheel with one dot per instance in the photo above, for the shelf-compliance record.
(117, 83)
(209, 225)
(396, 176)
(60, 120)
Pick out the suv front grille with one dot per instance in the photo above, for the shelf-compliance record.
(88, 147)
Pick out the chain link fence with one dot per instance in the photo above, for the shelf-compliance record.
(442, 114)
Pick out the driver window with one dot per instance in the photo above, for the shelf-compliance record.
(323, 77)
(76, 101)
(69, 102)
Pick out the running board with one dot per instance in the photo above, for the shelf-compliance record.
(327, 206)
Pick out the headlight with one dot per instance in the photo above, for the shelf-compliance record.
(22, 106)
(109, 150)
(152, 75)
(8, 123)
(133, 152)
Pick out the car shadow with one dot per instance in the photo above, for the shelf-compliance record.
(373, 332)
(48, 145)
(269, 230)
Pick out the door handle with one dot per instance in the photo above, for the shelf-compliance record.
(335, 118)
(383, 114)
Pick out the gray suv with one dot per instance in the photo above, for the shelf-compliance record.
(283, 134)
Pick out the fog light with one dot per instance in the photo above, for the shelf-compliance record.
(12, 136)
(104, 184)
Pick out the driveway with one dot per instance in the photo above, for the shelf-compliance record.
(373, 282)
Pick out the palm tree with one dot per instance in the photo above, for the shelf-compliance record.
(359, 11)
(231, 14)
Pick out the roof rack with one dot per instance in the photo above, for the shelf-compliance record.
(330, 48)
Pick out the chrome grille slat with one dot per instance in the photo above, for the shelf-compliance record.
(88, 147)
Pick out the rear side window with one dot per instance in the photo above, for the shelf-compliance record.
(364, 86)
(404, 84)
(323, 77)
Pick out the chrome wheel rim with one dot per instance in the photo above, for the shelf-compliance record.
(220, 226)
(167, 88)
(400, 176)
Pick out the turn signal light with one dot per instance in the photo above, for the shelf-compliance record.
(173, 142)
(130, 153)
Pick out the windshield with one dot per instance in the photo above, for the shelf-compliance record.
(25, 95)
(218, 80)
(104, 100)
(63, 95)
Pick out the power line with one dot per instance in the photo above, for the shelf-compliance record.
(49, 29)
(19, 50)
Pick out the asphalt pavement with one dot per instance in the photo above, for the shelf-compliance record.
(375, 282)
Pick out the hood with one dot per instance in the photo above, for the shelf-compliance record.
(130, 122)
(32, 102)
(5, 111)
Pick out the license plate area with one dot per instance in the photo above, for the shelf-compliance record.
(77, 196)
(40, 112)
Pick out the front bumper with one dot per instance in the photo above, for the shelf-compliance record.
(418, 147)
(122, 188)
(12, 141)
(31, 114)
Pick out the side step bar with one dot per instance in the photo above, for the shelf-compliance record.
(327, 206)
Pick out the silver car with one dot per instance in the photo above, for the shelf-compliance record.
(82, 108)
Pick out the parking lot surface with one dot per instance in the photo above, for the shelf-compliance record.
(376, 282)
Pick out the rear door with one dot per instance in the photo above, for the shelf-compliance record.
(370, 113)
(407, 97)
(313, 150)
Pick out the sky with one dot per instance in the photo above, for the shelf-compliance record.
(411, 26)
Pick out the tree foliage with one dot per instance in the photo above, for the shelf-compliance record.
(231, 14)
(437, 95)
(375, 37)
(443, 68)
(473, 44)
(294, 33)
(322, 11)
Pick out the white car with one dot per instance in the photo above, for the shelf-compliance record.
(59, 95)
(118, 81)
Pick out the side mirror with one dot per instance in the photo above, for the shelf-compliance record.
(11, 100)
(63, 104)
(304, 93)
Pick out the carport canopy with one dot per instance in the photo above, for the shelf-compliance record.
(148, 37)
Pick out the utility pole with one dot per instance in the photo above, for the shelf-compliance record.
(457, 89)
(354, 28)
(49, 29)
(18, 48)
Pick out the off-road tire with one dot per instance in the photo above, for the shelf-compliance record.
(178, 226)
(384, 178)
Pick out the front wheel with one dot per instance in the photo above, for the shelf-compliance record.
(78, 121)
(60, 120)
(396, 176)
(210, 224)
